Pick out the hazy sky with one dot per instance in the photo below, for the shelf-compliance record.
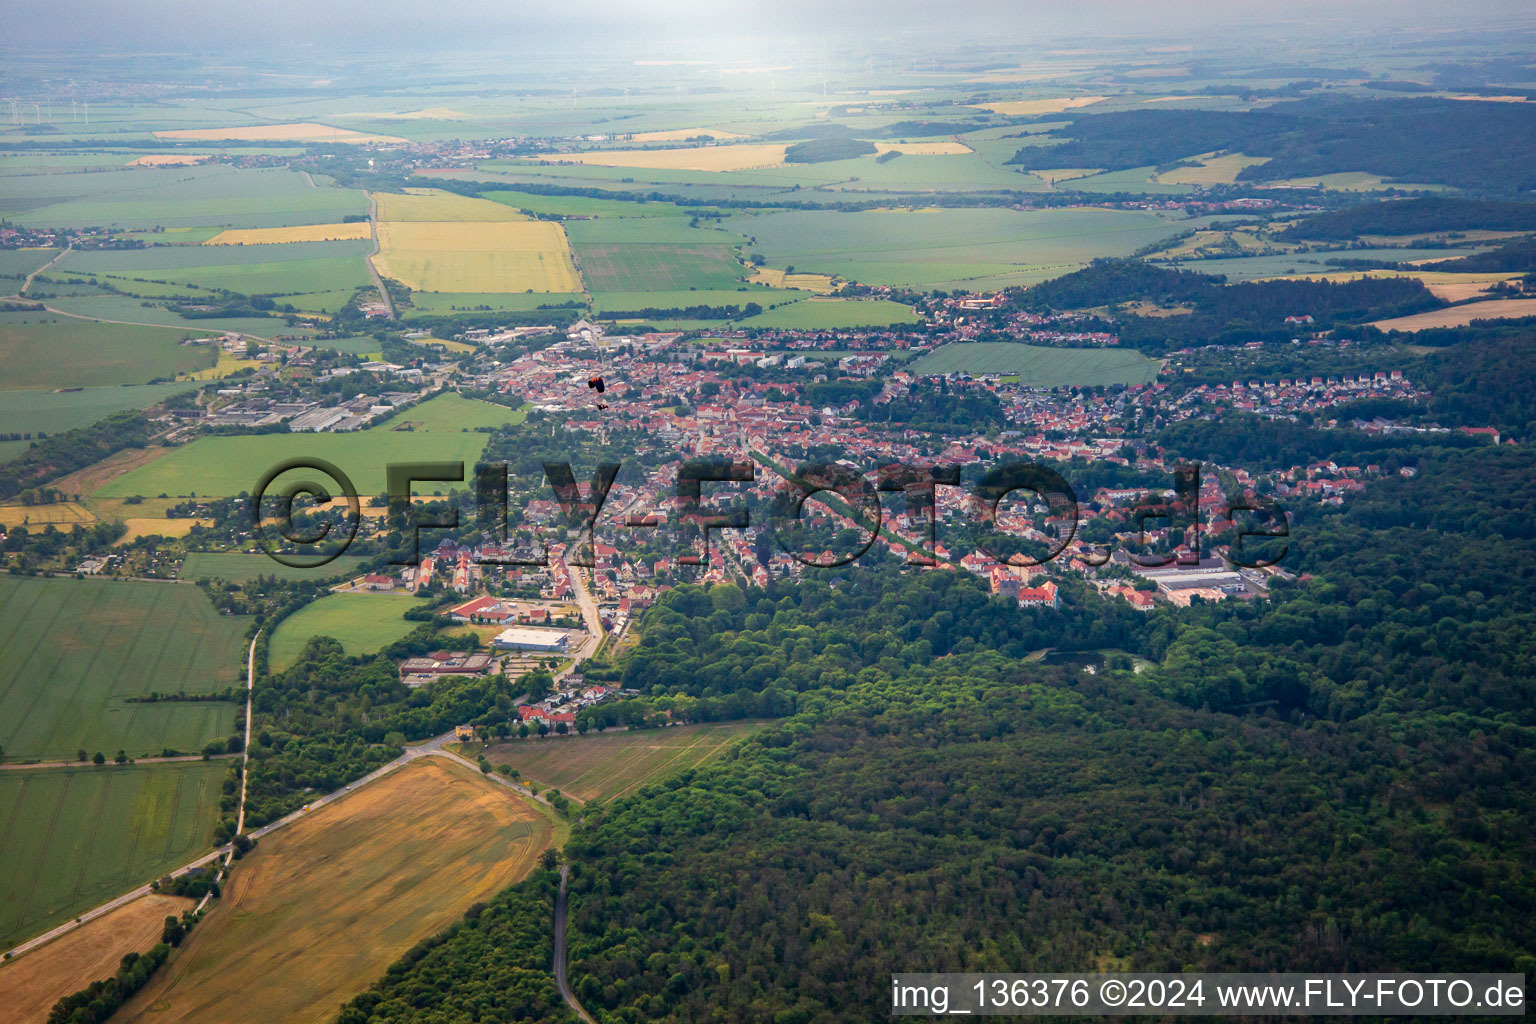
(354, 24)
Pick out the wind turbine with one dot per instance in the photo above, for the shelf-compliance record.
(626, 95)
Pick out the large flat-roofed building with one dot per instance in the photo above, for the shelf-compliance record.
(525, 638)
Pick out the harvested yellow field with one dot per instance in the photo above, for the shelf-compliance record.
(226, 365)
(320, 909)
(1460, 316)
(703, 158)
(1024, 108)
(63, 513)
(512, 256)
(1056, 174)
(302, 233)
(144, 526)
(924, 148)
(31, 985)
(303, 131)
(683, 134)
(168, 160)
(774, 278)
(1493, 99)
(1459, 291)
(1173, 99)
(432, 204)
(1212, 170)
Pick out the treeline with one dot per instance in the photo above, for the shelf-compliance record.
(1517, 256)
(1487, 146)
(1225, 314)
(492, 965)
(938, 802)
(1412, 217)
(818, 151)
(61, 454)
(699, 312)
(331, 718)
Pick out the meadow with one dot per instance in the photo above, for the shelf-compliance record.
(77, 648)
(951, 247)
(321, 908)
(30, 986)
(55, 411)
(276, 268)
(832, 314)
(451, 412)
(600, 766)
(231, 465)
(448, 302)
(584, 206)
(1040, 366)
(697, 158)
(171, 197)
(241, 567)
(73, 838)
(57, 351)
(363, 623)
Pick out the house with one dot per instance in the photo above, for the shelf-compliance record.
(464, 733)
(373, 581)
(1043, 596)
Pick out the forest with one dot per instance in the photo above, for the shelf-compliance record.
(1487, 147)
(1423, 215)
(1331, 780)
(1224, 314)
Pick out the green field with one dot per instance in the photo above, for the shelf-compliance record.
(451, 412)
(1041, 366)
(582, 206)
(55, 411)
(600, 766)
(72, 838)
(241, 567)
(226, 466)
(653, 255)
(213, 195)
(364, 623)
(133, 311)
(76, 648)
(447, 302)
(832, 314)
(290, 268)
(55, 352)
(951, 248)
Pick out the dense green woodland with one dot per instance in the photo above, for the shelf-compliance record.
(1337, 779)
(1224, 314)
(1412, 217)
(1489, 147)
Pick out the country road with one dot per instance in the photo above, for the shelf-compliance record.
(22, 291)
(565, 987)
(373, 231)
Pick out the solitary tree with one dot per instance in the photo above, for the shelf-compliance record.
(100, 758)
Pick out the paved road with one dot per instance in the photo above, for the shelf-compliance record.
(565, 988)
(589, 615)
(373, 230)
